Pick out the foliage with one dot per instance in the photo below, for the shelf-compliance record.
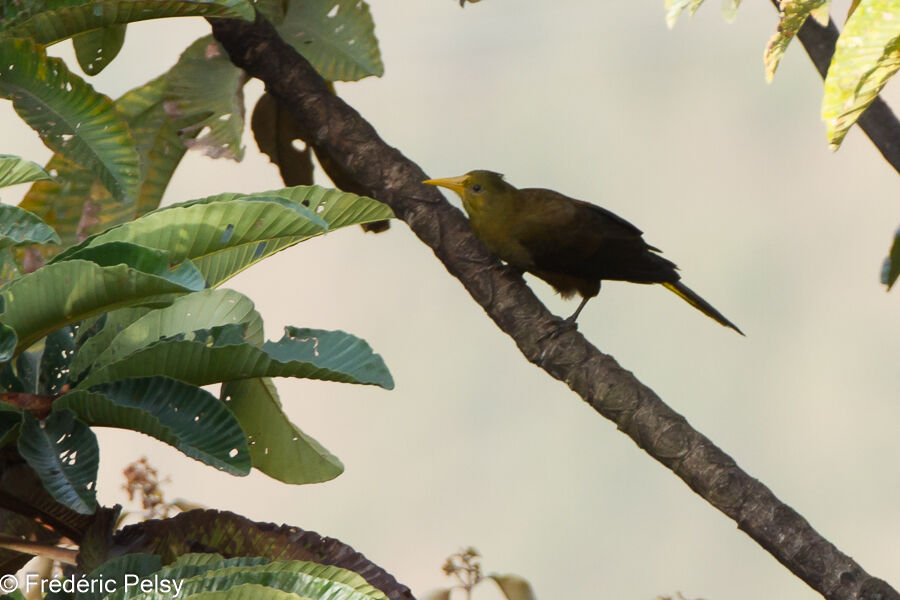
(124, 324)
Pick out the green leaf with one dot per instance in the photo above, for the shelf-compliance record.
(14, 169)
(69, 115)
(137, 564)
(232, 534)
(53, 373)
(63, 452)
(791, 16)
(867, 54)
(96, 48)
(19, 227)
(730, 8)
(78, 205)
(336, 36)
(8, 342)
(207, 89)
(222, 354)
(66, 292)
(225, 234)
(147, 260)
(181, 415)
(300, 579)
(159, 138)
(891, 268)
(674, 8)
(278, 448)
(192, 312)
(49, 21)
(275, 131)
(513, 586)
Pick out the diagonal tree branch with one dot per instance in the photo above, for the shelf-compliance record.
(596, 377)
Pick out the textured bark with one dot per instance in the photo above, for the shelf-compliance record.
(596, 377)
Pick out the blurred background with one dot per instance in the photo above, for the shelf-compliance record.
(676, 131)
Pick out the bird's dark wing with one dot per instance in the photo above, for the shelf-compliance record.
(580, 239)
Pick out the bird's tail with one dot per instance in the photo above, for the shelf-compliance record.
(689, 296)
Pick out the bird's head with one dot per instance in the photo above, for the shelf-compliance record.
(479, 190)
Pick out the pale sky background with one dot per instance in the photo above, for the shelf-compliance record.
(676, 131)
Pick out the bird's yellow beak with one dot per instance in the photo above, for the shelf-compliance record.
(457, 184)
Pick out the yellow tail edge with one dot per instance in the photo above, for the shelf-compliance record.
(692, 298)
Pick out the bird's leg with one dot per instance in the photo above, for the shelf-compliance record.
(577, 312)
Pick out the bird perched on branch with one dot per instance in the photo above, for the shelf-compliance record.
(570, 244)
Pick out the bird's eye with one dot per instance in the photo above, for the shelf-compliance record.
(477, 188)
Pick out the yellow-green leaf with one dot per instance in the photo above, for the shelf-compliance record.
(792, 15)
(867, 54)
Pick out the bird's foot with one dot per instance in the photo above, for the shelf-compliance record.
(563, 326)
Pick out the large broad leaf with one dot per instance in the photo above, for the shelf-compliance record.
(181, 415)
(160, 138)
(70, 116)
(867, 54)
(15, 170)
(208, 89)
(96, 48)
(63, 452)
(275, 131)
(235, 535)
(202, 310)
(222, 354)
(53, 373)
(77, 205)
(49, 21)
(792, 15)
(235, 579)
(225, 234)
(136, 565)
(891, 269)
(19, 227)
(63, 293)
(336, 36)
(278, 448)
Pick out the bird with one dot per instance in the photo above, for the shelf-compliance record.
(571, 244)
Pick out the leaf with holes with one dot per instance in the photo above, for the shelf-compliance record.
(63, 293)
(206, 88)
(278, 448)
(53, 373)
(336, 36)
(225, 234)
(19, 227)
(792, 15)
(77, 205)
(223, 354)
(201, 310)
(14, 170)
(49, 21)
(70, 116)
(63, 452)
(184, 416)
(275, 131)
(866, 55)
(96, 48)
